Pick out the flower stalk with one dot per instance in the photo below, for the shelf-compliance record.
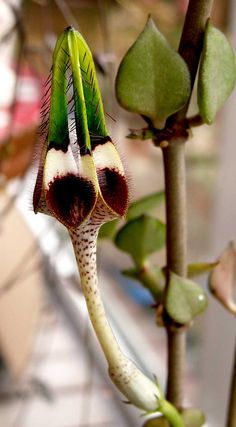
(136, 387)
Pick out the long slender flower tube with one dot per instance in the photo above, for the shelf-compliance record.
(81, 182)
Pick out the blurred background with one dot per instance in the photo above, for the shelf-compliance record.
(52, 372)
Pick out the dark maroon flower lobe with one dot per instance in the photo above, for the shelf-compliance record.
(70, 198)
(114, 189)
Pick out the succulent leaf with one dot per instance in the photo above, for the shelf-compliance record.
(193, 417)
(184, 299)
(217, 73)
(153, 80)
(145, 204)
(141, 237)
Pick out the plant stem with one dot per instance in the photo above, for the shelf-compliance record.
(231, 421)
(174, 166)
(175, 182)
(191, 41)
(176, 367)
(175, 185)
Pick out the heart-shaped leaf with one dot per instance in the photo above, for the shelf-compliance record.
(217, 73)
(153, 80)
(193, 417)
(145, 204)
(141, 237)
(222, 278)
(184, 299)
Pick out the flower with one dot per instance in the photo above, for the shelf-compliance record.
(81, 182)
(80, 171)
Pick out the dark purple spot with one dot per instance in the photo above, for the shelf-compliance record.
(114, 189)
(71, 198)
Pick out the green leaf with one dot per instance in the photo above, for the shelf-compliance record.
(153, 80)
(217, 73)
(152, 278)
(145, 204)
(184, 299)
(199, 268)
(141, 237)
(108, 230)
(193, 417)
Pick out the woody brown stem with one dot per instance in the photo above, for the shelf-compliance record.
(175, 185)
